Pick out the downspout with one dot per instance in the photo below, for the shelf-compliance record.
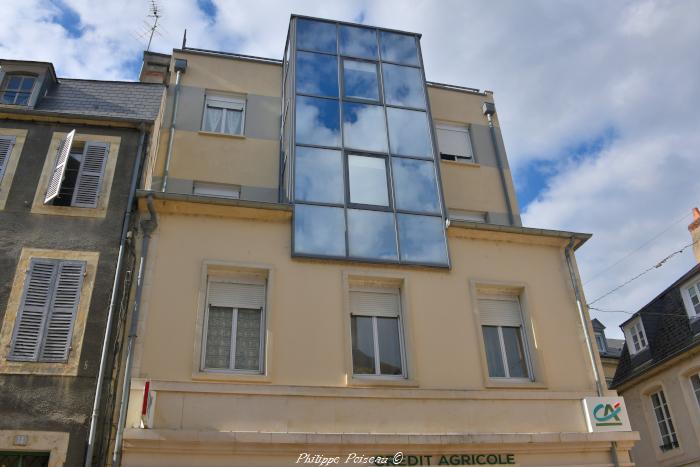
(135, 172)
(568, 252)
(180, 67)
(489, 110)
(148, 226)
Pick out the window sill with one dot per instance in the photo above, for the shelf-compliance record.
(474, 165)
(369, 381)
(664, 456)
(514, 384)
(72, 211)
(222, 135)
(231, 377)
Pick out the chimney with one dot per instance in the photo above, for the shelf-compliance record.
(694, 229)
(155, 68)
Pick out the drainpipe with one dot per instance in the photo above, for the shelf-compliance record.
(568, 253)
(489, 110)
(147, 226)
(180, 67)
(135, 172)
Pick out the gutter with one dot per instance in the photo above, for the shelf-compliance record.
(135, 173)
(180, 68)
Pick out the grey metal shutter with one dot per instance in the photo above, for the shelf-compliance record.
(61, 317)
(33, 309)
(6, 145)
(374, 303)
(236, 295)
(499, 312)
(59, 168)
(92, 168)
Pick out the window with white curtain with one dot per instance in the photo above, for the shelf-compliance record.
(234, 328)
(224, 115)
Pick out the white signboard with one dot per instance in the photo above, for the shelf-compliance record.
(606, 414)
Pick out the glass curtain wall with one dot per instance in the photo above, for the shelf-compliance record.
(362, 175)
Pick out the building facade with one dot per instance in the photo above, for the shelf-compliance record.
(659, 371)
(67, 154)
(335, 267)
(609, 350)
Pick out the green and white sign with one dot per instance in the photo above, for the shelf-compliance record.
(606, 414)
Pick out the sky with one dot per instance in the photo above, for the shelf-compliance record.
(598, 101)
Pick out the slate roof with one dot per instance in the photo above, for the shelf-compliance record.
(668, 329)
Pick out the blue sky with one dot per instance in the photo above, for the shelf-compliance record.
(597, 101)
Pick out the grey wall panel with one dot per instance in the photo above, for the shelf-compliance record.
(262, 118)
(255, 193)
(189, 110)
(180, 185)
(482, 145)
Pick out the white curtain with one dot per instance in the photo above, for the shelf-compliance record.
(232, 122)
(212, 119)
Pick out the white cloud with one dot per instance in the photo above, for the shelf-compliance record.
(565, 74)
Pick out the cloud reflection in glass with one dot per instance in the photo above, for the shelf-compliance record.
(317, 121)
(372, 234)
(319, 230)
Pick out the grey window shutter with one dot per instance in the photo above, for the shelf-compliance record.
(92, 168)
(62, 311)
(236, 295)
(500, 312)
(6, 145)
(33, 309)
(59, 168)
(378, 303)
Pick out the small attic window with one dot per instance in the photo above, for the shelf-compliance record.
(16, 89)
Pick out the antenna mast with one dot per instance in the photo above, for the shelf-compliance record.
(155, 13)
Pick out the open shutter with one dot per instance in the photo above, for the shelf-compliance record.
(500, 312)
(59, 168)
(92, 168)
(62, 311)
(33, 310)
(6, 144)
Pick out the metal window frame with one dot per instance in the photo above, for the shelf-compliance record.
(312, 94)
(355, 99)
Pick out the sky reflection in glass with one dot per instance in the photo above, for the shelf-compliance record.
(408, 133)
(317, 74)
(364, 127)
(360, 80)
(317, 121)
(403, 85)
(368, 181)
(399, 48)
(415, 188)
(318, 176)
(319, 230)
(316, 35)
(371, 234)
(422, 239)
(358, 42)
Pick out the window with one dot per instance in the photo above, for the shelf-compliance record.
(224, 115)
(360, 80)
(454, 143)
(217, 190)
(636, 338)
(24, 459)
(16, 89)
(44, 325)
(6, 145)
(377, 336)
(691, 298)
(77, 173)
(467, 216)
(234, 328)
(663, 419)
(600, 340)
(367, 178)
(695, 383)
(502, 328)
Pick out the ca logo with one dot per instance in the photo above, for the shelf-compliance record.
(609, 416)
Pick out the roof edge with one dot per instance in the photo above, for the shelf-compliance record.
(580, 237)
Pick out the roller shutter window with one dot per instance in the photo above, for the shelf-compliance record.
(504, 340)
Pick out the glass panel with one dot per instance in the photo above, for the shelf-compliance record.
(318, 176)
(13, 82)
(409, 134)
(318, 121)
(319, 230)
(415, 185)
(422, 239)
(317, 74)
(403, 86)
(218, 346)
(695, 380)
(316, 35)
(364, 127)
(515, 352)
(372, 234)
(368, 181)
(27, 83)
(358, 42)
(360, 80)
(233, 122)
(213, 118)
(399, 48)
(248, 340)
(493, 352)
(8, 97)
(389, 346)
(362, 345)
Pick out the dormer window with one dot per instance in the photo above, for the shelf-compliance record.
(636, 338)
(16, 89)
(691, 298)
(600, 340)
